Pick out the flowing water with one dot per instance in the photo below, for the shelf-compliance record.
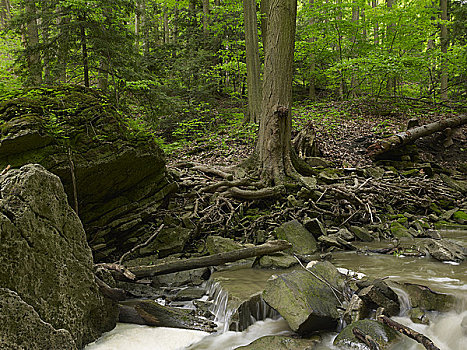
(448, 330)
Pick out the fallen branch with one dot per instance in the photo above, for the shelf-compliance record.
(369, 341)
(411, 135)
(268, 192)
(420, 338)
(214, 171)
(117, 270)
(210, 260)
(115, 294)
(6, 170)
(141, 245)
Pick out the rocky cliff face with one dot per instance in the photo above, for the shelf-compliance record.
(120, 175)
(46, 264)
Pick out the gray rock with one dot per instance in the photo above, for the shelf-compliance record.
(45, 257)
(23, 328)
(182, 278)
(444, 250)
(417, 315)
(361, 233)
(189, 294)
(315, 227)
(382, 334)
(218, 244)
(302, 240)
(306, 302)
(426, 299)
(276, 261)
(377, 293)
(169, 241)
(280, 342)
(399, 231)
(356, 310)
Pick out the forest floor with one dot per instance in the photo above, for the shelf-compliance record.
(344, 130)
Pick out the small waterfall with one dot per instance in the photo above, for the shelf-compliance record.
(237, 315)
(404, 301)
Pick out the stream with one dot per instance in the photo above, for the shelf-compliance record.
(447, 330)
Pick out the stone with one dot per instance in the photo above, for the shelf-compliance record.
(317, 162)
(307, 303)
(45, 258)
(280, 342)
(189, 293)
(444, 250)
(315, 227)
(374, 298)
(345, 234)
(380, 333)
(426, 299)
(182, 278)
(356, 310)
(279, 260)
(460, 217)
(448, 213)
(294, 232)
(399, 231)
(23, 328)
(361, 233)
(218, 244)
(169, 241)
(417, 315)
(120, 172)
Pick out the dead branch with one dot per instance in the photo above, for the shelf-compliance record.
(115, 294)
(6, 170)
(73, 180)
(210, 260)
(365, 338)
(420, 338)
(141, 245)
(214, 171)
(118, 271)
(268, 192)
(411, 135)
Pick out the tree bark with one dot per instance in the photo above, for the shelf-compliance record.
(444, 49)
(253, 64)
(84, 49)
(5, 12)
(210, 260)
(205, 16)
(374, 3)
(411, 135)
(32, 42)
(274, 138)
(312, 88)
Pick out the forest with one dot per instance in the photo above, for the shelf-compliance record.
(256, 174)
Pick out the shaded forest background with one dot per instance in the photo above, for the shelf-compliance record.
(166, 63)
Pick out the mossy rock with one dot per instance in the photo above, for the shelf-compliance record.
(399, 231)
(380, 333)
(120, 174)
(460, 216)
(294, 232)
(280, 342)
(218, 244)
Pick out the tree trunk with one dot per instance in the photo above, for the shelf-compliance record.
(84, 49)
(374, 3)
(274, 138)
(253, 64)
(390, 32)
(165, 21)
(444, 49)
(264, 10)
(5, 12)
(312, 88)
(210, 260)
(205, 16)
(32, 43)
(411, 135)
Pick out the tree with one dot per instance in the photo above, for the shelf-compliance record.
(253, 64)
(31, 42)
(444, 49)
(274, 137)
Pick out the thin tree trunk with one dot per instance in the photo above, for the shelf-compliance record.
(264, 10)
(63, 46)
(374, 4)
(274, 138)
(312, 88)
(84, 49)
(355, 17)
(444, 49)
(253, 64)
(5, 12)
(166, 24)
(32, 43)
(391, 82)
(205, 16)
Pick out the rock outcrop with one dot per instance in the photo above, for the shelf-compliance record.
(45, 260)
(119, 171)
(307, 300)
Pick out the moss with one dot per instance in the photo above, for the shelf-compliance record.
(460, 216)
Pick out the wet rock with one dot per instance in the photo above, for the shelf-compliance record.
(335, 240)
(417, 315)
(187, 294)
(302, 240)
(23, 328)
(444, 250)
(315, 226)
(356, 310)
(378, 294)
(382, 334)
(139, 290)
(218, 244)
(182, 278)
(307, 303)
(276, 261)
(345, 234)
(120, 172)
(279, 342)
(460, 217)
(361, 233)
(45, 258)
(246, 312)
(424, 298)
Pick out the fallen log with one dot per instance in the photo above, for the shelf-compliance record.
(420, 338)
(210, 260)
(411, 135)
(150, 313)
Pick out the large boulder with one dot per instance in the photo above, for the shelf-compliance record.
(302, 240)
(306, 300)
(22, 327)
(120, 174)
(45, 258)
(384, 336)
